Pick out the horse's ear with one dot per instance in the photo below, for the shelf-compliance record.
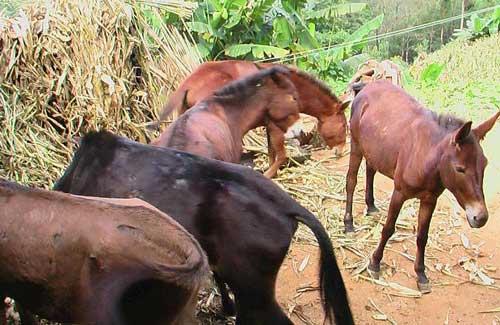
(483, 128)
(462, 133)
(185, 106)
(344, 105)
(280, 78)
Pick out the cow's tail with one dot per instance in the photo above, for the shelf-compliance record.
(176, 101)
(333, 291)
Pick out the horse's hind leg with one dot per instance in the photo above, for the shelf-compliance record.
(371, 209)
(3, 312)
(253, 279)
(227, 302)
(352, 178)
(258, 306)
(424, 220)
(27, 318)
(397, 201)
(276, 141)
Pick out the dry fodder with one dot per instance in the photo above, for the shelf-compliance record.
(69, 66)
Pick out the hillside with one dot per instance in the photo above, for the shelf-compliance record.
(468, 85)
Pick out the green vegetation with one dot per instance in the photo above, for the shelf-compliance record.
(307, 32)
(56, 92)
(468, 85)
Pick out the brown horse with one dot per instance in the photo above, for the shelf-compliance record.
(315, 98)
(215, 127)
(424, 153)
(86, 260)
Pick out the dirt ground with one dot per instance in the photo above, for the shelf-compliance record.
(454, 298)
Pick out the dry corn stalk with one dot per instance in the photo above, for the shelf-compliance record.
(69, 66)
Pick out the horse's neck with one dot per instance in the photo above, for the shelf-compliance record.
(428, 145)
(243, 115)
(313, 101)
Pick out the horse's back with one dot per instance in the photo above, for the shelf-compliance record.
(382, 121)
(207, 78)
(204, 132)
(211, 75)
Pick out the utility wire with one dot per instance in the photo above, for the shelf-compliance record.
(377, 37)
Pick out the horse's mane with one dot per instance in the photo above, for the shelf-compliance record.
(246, 87)
(11, 186)
(95, 145)
(323, 87)
(447, 122)
(179, 129)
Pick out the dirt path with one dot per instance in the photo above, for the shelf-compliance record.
(454, 298)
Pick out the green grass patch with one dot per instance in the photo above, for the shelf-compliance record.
(468, 85)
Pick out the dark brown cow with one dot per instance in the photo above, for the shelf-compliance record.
(94, 260)
(424, 153)
(243, 220)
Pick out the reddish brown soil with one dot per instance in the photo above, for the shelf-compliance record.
(452, 300)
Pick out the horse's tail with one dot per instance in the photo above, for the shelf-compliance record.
(176, 101)
(332, 288)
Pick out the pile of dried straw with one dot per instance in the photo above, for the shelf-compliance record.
(68, 66)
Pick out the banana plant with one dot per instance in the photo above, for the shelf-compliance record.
(236, 28)
(478, 27)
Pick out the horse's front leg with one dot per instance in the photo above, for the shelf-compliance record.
(276, 141)
(270, 149)
(397, 201)
(352, 178)
(424, 220)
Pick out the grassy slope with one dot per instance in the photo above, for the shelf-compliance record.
(469, 85)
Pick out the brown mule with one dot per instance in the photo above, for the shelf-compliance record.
(423, 153)
(87, 260)
(315, 98)
(215, 127)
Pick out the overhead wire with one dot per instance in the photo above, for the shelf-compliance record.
(372, 38)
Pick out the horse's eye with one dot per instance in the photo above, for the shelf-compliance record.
(460, 169)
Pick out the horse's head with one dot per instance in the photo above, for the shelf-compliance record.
(332, 126)
(283, 108)
(462, 169)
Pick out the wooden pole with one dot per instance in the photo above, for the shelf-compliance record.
(463, 13)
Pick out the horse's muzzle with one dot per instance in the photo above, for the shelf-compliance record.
(476, 217)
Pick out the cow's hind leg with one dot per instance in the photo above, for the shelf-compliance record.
(227, 302)
(371, 209)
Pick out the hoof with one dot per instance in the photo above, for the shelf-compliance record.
(372, 211)
(424, 287)
(349, 229)
(229, 309)
(373, 274)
